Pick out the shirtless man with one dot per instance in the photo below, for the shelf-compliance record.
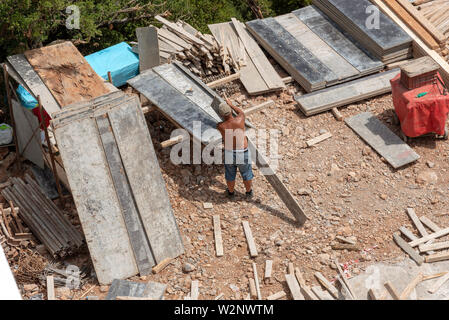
(237, 154)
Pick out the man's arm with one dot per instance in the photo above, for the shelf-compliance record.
(237, 110)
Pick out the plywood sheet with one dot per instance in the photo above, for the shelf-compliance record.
(382, 139)
(66, 73)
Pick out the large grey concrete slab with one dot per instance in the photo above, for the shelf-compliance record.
(382, 139)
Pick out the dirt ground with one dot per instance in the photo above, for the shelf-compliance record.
(344, 187)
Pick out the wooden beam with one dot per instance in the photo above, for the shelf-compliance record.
(407, 233)
(326, 284)
(194, 290)
(268, 268)
(256, 280)
(172, 141)
(294, 287)
(217, 236)
(161, 266)
(429, 224)
(408, 249)
(277, 295)
(222, 81)
(252, 288)
(392, 290)
(318, 139)
(433, 246)
(261, 106)
(51, 288)
(438, 257)
(249, 239)
(431, 236)
(305, 290)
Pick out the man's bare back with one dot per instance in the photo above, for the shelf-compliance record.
(234, 127)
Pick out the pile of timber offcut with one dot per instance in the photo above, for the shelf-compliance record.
(387, 42)
(43, 217)
(200, 53)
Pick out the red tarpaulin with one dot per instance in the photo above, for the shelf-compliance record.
(423, 115)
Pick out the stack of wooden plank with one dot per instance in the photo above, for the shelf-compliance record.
(387, 41)
(313, 49)
(44, 219)
(256, 72)
(117, 185)
(200, 53)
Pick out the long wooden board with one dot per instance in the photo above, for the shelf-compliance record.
(66, 73)
(382, 139)
(346, 93)
(145, 177)
(100, 216)
(141, 248)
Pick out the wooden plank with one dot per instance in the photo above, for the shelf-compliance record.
(172, 141)
(345, 281)
(326, 284)
(51, 288)
(321, 294)
(249, 239)
(145, 177)
(411, 213)
(408, 249)
(318, 139)
(293, 285)
(382, 139)
(141, 247)
(277, 296)
(194, 290)
(419, 47)
(438, 257)
(34, 83)
(429, 224)
(217, 236)
(179, 30)
(331, 59)
(346, 93)
(412, 23)
(148, 48)
(305, 290)
(252, 288)
(268, 269)
(222, 81)
(337, 114)
(338, 39)
(261, 106)
(435, 235)
(406, 232)
(256, 281)
(260, 61)
(392, 290)
(437, 285)
(96, 201)
(433, 246)
(162, 265)
(66, 73)
(410, 287)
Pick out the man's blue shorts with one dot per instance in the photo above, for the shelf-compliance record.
(240, 159)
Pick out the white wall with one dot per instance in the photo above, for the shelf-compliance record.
(8, 286)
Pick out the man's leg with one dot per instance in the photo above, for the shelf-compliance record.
(248, 185)
(230, 174)
(231, 185)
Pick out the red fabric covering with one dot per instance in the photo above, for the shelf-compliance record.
(423, 115)
(37, 113)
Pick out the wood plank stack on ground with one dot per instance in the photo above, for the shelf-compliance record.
(388, 42)
(101, 145)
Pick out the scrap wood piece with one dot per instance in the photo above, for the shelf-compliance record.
(435, 235)
(345, 281)
(66, 73)
(51, 288)
(410, 287)
(222, 81)
(337, 114)
(346, 93)
(256, 280)
(433, 246)
(318, 139)
(406, 232)
(417, 222)
(219, 297)
(179, 31)
(392, 290)
(382, 139)
(194, 290)
(162, 265)
(294, 287)
(305, 290)
(326, 284)
(258, 107)
(277, 295)
(172, 141)
(321, 294)
(438, 257)
(408, 249)
(437, 285)
(291, 268)
(217, 236)
(433, 276)
(252, 288)
(268, 269)
(249, 239)
(429, 224)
